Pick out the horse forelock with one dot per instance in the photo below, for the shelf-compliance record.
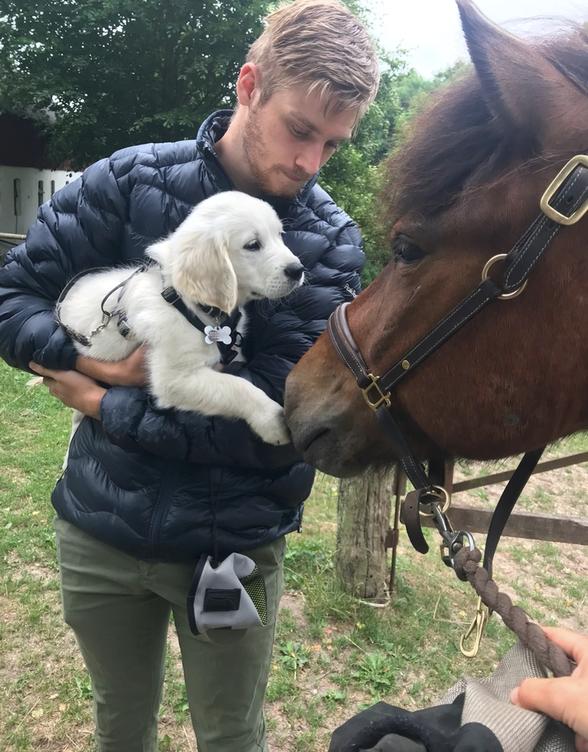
(456, 143)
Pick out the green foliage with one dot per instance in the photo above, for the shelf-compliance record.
(111, 73)
(354, 175)
(293, 656)
(374, 672)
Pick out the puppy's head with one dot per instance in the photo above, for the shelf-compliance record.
(264, 266)
(228, 251)
(196, 257)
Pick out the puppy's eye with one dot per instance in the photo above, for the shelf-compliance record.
(406, 250)
(253, 245)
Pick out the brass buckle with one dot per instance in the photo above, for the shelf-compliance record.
(546, 208)
(375, 400)
(476, 629)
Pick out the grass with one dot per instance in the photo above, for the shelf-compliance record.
(333, 655)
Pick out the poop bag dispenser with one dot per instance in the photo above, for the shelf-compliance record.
(230, 595)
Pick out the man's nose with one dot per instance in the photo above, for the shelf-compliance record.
(310, 159)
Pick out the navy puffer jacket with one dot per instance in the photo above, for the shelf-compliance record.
(160, 484)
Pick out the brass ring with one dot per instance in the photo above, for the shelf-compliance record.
(489, 264)
(446, 504)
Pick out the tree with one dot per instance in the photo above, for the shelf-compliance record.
(110, 73)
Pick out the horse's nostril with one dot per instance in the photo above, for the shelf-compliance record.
(294, 271)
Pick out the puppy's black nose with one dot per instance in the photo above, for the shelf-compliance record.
(294, 271)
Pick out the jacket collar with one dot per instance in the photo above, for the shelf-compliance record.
(209, 133)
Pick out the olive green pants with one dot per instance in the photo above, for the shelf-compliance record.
(119, 608)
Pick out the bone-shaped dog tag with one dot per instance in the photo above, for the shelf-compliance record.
(214, 334)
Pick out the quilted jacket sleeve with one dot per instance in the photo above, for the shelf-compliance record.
(330, 248)
(78, 229)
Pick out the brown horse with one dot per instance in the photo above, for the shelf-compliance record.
(463, 188)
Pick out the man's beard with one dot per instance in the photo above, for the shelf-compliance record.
(255, 152)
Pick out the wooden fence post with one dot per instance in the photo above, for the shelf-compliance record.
(363, 514)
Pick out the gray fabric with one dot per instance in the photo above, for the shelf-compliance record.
(226, 576)
(487, 701)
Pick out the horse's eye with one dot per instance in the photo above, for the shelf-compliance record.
(406, 250)
(253, 245)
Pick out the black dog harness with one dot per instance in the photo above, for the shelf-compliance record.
(107, 316)
(223, 333)
(227, 342)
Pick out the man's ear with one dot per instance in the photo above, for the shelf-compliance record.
(202, 272)
(248, 84)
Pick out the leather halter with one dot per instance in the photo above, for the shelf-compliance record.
(564, 202)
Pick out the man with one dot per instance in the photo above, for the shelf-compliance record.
(147, 492)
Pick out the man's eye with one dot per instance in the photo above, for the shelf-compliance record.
(406, 251)
(299, 134)
(253, 245)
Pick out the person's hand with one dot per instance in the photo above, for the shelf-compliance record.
(564, 698)
(73, 389)
(128, 372)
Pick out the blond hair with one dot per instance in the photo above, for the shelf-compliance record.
(319, 44)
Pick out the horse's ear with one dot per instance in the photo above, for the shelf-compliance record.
(518, 83)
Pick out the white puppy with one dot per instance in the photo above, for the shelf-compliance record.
(227, 252)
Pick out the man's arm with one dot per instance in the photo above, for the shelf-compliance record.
(131, 420)
(128, 372)
(73, 389)
(187, 436)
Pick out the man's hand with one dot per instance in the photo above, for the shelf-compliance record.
(564, 698)
(128, 372)
(73, 389)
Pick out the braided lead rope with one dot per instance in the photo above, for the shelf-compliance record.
(467, 567)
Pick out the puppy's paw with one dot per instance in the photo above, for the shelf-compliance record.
(272, 428)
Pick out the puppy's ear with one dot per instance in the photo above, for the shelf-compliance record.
(202, 271)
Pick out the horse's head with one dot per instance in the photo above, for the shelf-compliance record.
(463, 188)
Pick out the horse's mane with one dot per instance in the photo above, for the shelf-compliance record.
(456, 142)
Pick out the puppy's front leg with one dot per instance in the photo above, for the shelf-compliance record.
(213, 393)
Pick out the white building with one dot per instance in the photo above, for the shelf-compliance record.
(23, 190)
(27, 177)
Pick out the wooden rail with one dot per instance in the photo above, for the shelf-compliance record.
(520, 525)
(12, 237)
